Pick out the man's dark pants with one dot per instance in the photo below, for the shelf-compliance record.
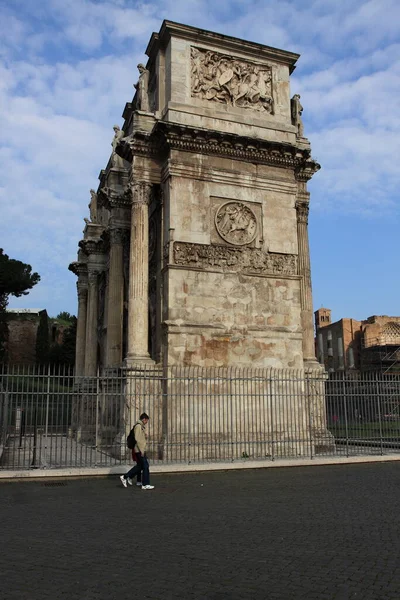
(141, 469)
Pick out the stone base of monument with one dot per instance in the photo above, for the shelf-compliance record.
(208, 448)
(86, 408)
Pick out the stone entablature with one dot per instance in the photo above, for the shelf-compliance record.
(171, 136)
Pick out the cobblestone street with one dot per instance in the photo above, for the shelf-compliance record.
(312, 533)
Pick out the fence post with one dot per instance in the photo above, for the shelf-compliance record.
(21, 424)
(47, 405)
(310, 415)
(96, 441)
(271, 400)
(346, 424)
(230, 406)
(33, 463)
(378, 400)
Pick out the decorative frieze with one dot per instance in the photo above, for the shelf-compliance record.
(225, 258)
(231, 81)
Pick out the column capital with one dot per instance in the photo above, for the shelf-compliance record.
(117, 236)
(141, 192)
(302, 210)
(93, 277)
(82, 288)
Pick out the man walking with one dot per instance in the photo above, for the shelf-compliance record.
(139, 453)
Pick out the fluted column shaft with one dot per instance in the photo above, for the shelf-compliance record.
(115, 299)
(304, 270)
(80, 348)
(137, 350)
(91, 327)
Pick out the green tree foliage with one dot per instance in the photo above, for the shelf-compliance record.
(16, 279)
(64, 353)
(65, 316)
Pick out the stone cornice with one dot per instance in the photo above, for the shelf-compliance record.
(225, 43)
(306, 169)
(78, 268)
(92, 246)
(111, 198)
(236, 147)
(171, 136)
(138, 144)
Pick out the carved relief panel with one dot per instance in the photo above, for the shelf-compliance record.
(233, 81)
(236, 223)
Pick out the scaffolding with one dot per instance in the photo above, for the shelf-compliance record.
(380, 354)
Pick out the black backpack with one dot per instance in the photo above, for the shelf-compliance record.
(130, 440)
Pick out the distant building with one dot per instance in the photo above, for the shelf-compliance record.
(348, 344)
(23, 326)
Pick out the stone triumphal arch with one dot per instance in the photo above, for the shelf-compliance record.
(196, 252)
(196, 248)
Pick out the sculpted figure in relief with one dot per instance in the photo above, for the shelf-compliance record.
(116, 160)
(93, 206)
(227, 80)
(142, 87)
(297, 111)
(236, 223)
(225, 258)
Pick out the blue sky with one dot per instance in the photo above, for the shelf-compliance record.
(67, 69)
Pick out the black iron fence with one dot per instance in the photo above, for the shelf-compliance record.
(50, 418)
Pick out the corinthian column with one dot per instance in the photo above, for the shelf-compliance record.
(80, 348)
(304, 270)
(91, 327)
(115, 298)
(139, 275)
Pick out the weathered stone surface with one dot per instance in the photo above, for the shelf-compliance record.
(209, 175)
(223, 258)
(227, 80)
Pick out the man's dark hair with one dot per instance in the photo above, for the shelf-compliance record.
(144, 416)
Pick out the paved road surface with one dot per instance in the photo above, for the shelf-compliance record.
(312, 533)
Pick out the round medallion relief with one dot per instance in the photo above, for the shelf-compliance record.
(236, 223)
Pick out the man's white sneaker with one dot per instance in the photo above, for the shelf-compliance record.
(139, 484)
(123, 481)
(129, 480)
(147, 487)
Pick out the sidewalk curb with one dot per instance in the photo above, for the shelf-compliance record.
(190, 468)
